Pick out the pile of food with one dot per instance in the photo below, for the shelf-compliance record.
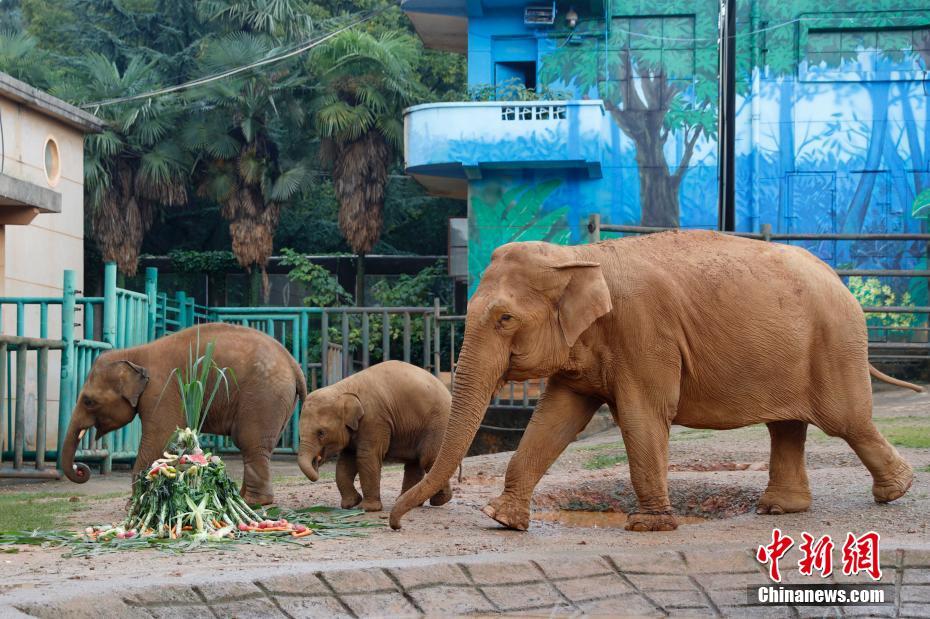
(186, 500)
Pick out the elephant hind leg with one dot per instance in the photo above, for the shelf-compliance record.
(788, 489)
(891, 475)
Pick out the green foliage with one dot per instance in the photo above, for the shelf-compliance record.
(515, 90)
(323, 289)
(192, 261)
(871, 292)
(603, 461)
(410, 291)
(194, 383)
(514, 215)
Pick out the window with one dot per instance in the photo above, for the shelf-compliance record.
(52, 161)
(865, 54)
(533, 112)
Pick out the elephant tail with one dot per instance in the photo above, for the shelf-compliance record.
(894, 381)
(301, 381)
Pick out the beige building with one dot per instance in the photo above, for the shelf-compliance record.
(41, 214)
(41, 189)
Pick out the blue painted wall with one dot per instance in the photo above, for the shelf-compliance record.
(833, 132)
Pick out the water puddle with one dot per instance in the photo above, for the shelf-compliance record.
(594, 519)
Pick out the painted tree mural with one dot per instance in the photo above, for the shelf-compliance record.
(657, 76)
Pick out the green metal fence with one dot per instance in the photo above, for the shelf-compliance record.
(328, 343)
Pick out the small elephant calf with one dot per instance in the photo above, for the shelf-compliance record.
(390, 411)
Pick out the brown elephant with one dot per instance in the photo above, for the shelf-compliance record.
(390, 411)
(695, 328)
(131, 381)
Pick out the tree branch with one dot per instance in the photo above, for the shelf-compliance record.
(689, 151)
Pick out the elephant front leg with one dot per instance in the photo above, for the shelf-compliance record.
(346, 470)
(645, 429)
(559, 416)
(256, 477)
(368, 460)
(788, 489)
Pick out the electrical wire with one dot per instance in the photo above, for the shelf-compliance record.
(306, 46)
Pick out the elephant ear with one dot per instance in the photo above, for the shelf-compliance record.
(353, 411)
(584, 299)
(133, 382)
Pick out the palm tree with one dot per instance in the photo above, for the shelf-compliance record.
(242, 133)
(364, 84)
(21, 57)
(135, 165)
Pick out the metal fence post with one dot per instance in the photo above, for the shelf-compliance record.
(181, 297)
(109, 303)
(437, 352)
(766, 230)
(66, 394)
(594, 228)
(151, 291)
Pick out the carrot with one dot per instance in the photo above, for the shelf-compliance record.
(295, 534)
(187, 528)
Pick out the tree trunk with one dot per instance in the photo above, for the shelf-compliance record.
(658, 189)
(858, 208)
(255, 286)
(360, 280)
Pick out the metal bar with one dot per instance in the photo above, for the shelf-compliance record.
(43, 320)
(406, 337)
(109, 303)
(901, 345)
(66, 394)
(3, 392)
(41, 405)
(324, 349)
(426, 335)
(30, 474)
(351, 309)
(32, 342)
(88, 321)
(897, 309)
(882, 273)
(797, 236)
(437, 346)
(345, 345)
(366, 360)
(19, 440)
(20, 319)
(385, 336)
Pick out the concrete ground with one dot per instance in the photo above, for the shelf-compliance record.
(575, 559)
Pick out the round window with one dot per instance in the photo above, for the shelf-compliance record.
(52, 161)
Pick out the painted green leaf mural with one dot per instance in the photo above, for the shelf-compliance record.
(501, 216)
(921, 206)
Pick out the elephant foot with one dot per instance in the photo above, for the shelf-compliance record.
(352, 501)
(895, 486)
(442, 497)
(651, 521)
(257, 499)
(777, 500)
(509, 513)
(372, 505)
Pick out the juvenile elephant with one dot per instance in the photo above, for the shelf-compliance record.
(695, 328)
(131, 381)
(390, 411)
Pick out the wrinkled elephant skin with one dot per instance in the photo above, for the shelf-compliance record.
(265, 384)
(693, 328)
(390, 411)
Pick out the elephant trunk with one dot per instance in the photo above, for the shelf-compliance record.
(477, 376)
(307, 460)
(79, 473)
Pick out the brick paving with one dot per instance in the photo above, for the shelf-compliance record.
(642, 583)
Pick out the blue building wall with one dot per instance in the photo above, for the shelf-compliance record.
(833, 132)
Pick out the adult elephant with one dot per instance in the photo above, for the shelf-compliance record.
(138, 381)
(695, 328)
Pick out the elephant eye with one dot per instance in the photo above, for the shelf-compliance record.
(320, 434)
(506, 317)
(88, 402)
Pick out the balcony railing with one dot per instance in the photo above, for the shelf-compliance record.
(463, 140)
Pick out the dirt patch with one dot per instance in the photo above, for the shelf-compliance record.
(719, 466)
(594, 520)
(702, 500)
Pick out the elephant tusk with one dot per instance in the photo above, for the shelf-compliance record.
(82, 433)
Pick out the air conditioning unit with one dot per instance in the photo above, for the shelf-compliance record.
(539, 15)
